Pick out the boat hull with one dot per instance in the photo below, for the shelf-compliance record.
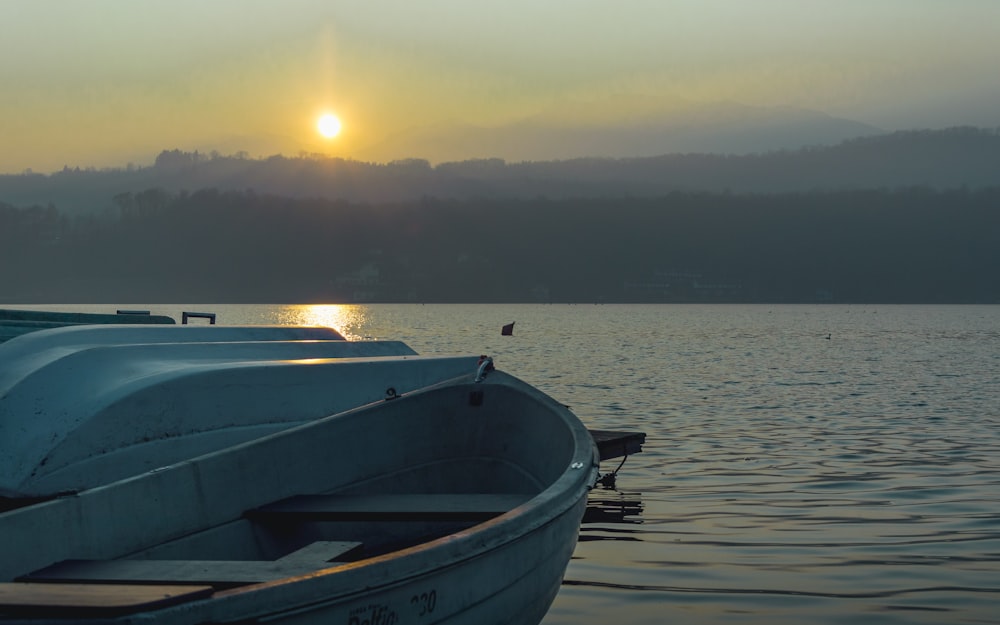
(143, 398)
(501, 436)
(514, 584)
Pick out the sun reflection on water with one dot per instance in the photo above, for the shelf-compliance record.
(348, 319)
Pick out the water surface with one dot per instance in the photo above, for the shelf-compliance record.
(803, 464)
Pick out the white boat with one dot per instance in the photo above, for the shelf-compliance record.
(15, 322)
(134, 398)
(428, 490)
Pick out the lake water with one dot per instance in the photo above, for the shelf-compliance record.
(803, 464)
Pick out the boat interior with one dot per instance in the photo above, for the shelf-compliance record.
(296, 536)
(463, 471)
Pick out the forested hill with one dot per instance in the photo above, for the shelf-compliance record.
(905, 246)
(953, 158)
(907, 217)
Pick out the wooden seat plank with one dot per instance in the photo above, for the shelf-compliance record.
(321, 551)
(198, 572)
(472, 507)
(50, 599)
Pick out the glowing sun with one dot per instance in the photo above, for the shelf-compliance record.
(328, 125)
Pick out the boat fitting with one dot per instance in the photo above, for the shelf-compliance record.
(485, 366)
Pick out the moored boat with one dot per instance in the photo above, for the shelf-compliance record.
(453, 496)
(15, 322)
(81, 406)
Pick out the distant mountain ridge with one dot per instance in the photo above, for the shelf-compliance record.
(961, 157)
(720, 128)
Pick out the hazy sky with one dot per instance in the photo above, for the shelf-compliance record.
(104, 82)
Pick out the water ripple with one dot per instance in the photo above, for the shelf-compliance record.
(798, 593)
(786, 478)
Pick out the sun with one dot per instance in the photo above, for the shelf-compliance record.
(328, 125)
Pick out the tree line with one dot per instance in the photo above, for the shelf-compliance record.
(906, 245)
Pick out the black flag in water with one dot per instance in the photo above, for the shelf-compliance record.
(507, 330)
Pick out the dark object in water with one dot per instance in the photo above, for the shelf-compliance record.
(507, 330)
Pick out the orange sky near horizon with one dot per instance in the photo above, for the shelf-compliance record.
(101, 83)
